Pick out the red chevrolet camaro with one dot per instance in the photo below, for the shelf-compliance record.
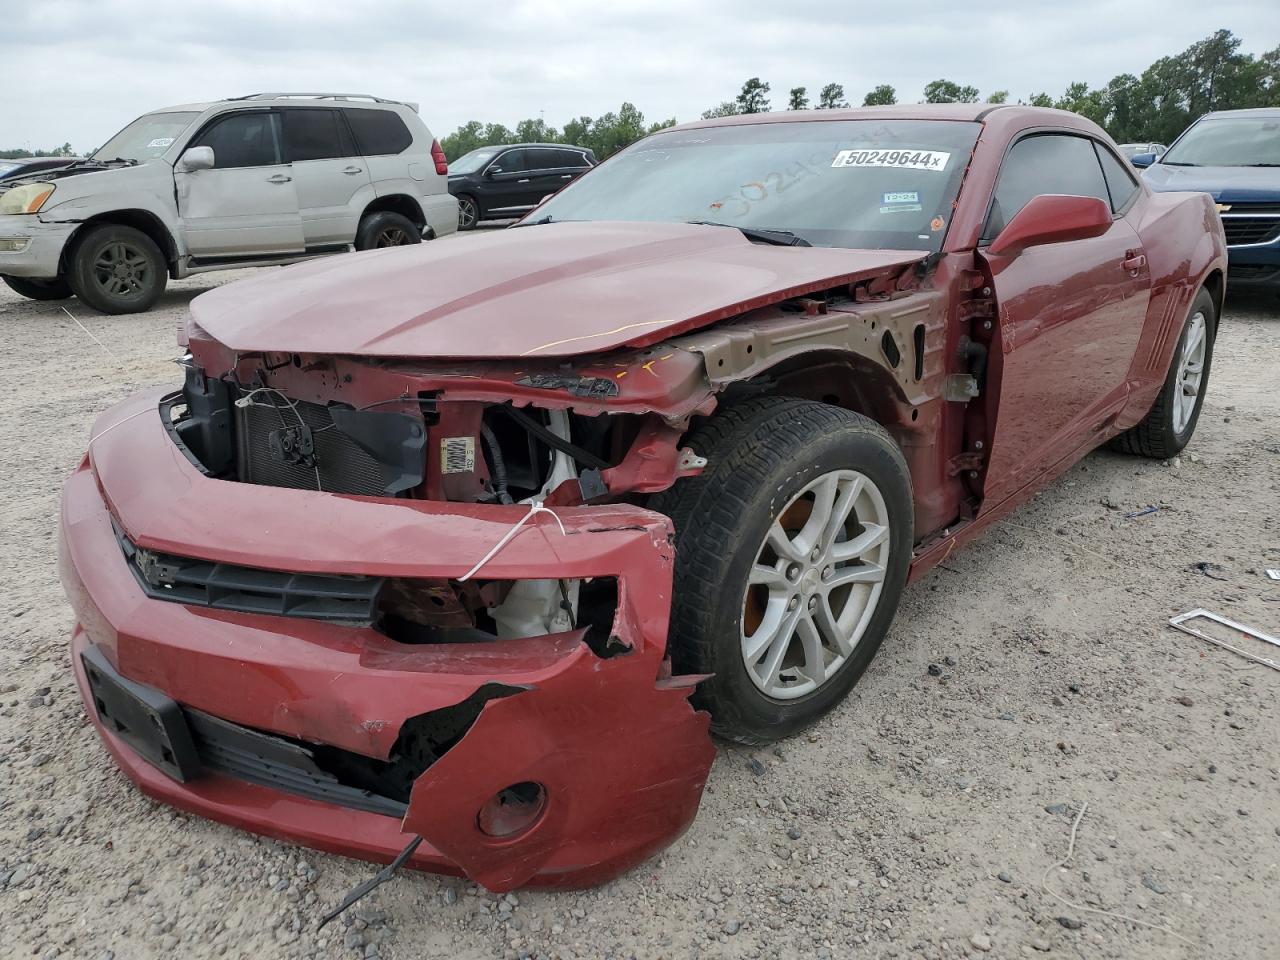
(473, 541)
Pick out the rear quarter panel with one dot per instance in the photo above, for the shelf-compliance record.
(1184, 244)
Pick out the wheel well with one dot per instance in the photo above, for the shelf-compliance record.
(1214, 284)
(399, 203)
(142, 220)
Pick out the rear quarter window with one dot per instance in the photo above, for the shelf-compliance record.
(379, 132)
(1120, 182)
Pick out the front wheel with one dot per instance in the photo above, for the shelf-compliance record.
(792, 551)
(117, 269)
(32, 289)
(1167, 429)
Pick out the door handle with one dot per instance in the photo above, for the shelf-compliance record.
(1133, 262)
(525, 180)
(279, 178)
(567, 176)
(352, 170)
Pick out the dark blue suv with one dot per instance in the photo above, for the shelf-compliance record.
(1234, 155)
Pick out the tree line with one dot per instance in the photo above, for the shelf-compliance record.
(1211, 74)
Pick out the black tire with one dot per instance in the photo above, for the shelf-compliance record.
(33, 289)
(468, 211)
(761, 453)
(386, 229)
(117, 269)
(1157, 435)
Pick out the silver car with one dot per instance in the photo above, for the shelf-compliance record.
(270, 178)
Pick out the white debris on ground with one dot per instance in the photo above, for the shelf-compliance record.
(1034, 673)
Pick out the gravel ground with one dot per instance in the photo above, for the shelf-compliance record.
(1031, 675)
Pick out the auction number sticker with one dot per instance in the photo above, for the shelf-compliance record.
(160, 142)
(900, 159)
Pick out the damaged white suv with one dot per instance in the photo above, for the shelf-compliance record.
(270, 178)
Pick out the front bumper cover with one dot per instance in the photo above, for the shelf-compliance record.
(614, 744)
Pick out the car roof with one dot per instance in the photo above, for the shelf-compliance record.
(1013, 113)
(1262, 113)
(284, 99)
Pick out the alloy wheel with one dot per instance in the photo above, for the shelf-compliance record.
(815, 584)
(392, 237)
(467, 213)
(1190, 372)
(122, 270)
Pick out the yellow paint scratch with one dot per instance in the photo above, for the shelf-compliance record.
(593, 336)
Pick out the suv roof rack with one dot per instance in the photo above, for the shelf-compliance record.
(325, 96)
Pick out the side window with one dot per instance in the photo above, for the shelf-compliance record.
(1120, 182)
(513, 161)
(379, 133)
(543, 159)
(314, 134)
(573, 159)
(242, 140)
(1044, 163)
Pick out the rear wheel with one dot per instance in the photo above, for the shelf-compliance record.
(33, 289)
(117, 269)
(386, 229)
(468, 212)
(1168, 428)
(791, 554)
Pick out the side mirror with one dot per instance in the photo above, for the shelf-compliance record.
(492, 171)
(1052, 218)
(1143, 159)
(197, 158)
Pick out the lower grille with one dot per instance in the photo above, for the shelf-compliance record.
(1252, 272)
(1245, 230)
(277, 763)
(340, 464)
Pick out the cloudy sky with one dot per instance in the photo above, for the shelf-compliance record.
(78, 70)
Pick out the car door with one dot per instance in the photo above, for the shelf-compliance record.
(331, 180)
(508, 184)
(1069, 315)
(547, 172)
(245, 205)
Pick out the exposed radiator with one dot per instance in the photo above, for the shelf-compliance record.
(341, 465)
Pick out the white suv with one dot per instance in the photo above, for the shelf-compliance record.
(270, 178)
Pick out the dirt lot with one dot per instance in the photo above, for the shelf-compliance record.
(911, 822)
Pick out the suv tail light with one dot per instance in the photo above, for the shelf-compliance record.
(442, 165)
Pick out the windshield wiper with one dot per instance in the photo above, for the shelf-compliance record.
(534, 223)
(779, 238)
(1177, 163)
(1262, 164)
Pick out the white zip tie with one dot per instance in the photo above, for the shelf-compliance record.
(535, 508)
(90, 334)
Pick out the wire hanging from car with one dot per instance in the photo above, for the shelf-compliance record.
(362, 890)
(535, 508)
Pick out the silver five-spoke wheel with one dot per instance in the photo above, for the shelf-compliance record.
(815, 584)
(1190, 371)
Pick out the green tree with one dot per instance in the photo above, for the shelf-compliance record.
(1078, 98)
(576, 131)
(1000, 96)
(831, 97)
(662, 125)
(535, 131)
(798, 100)
(945, 91)
(726, 109)
(882, 96)
(754, 97)
(1041, 100)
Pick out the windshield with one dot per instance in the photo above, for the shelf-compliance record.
(147, 137)
(1228, 142)
(886, 184)
(6, 167)
(471, 162)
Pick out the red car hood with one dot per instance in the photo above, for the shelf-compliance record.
(554, 290)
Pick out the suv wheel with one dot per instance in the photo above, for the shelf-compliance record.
(386, 229)
(117, 269)
(468, 212)
(33, 289)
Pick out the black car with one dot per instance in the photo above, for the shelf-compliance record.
(495, 183)
(25, 166)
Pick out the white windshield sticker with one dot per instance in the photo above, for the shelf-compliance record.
(160, 142)
(902, 159)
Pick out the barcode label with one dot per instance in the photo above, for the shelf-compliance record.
(458, 455)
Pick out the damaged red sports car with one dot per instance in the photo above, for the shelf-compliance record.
(473, 541)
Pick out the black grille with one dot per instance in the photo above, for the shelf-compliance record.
(340, 464)
(225, 586)
(277, 763)
(1242, 230)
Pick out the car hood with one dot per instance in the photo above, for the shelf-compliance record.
(557, 289)
(1226, 184)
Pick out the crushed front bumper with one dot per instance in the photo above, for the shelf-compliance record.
(40, 257)
(619, 755)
